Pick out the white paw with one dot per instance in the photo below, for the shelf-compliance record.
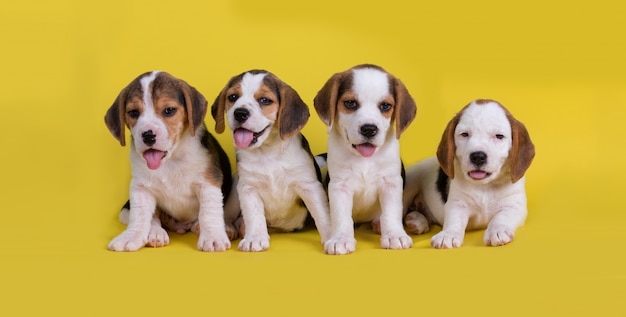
(158, 237)
(447, 239)
(396, 242)
(498, 235)
(127, 241)
(209, 242)
(416, 223)
(338, 246)
(254, 243)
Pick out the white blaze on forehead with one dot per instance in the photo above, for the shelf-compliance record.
(145, 86)
(250, 84)
(370, 84)
(485, 117)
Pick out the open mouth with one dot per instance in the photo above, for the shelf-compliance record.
(365, 149)
(478, 175)
(154, 157)
(245, 138)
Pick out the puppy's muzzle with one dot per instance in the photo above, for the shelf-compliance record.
(478, 158)
(368, 130)
(149, 138)
(241, 115)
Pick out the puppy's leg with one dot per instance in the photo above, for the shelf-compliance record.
(158, 236)
(142, 209)
(314, 197)
(416, 222)
(454, 224)
(256, 237)
(232, 213)
(211, 220)
(501, 228)
(342, 240)
(392, 231)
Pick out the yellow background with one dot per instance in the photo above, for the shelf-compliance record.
(559, 66)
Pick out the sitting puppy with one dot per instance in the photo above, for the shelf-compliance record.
(478, 180)
(180, 174)
(360, 107)
(278, 178)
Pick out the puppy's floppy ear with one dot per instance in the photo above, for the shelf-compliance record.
(325, 101)
(522, 149)
(115, 118)
(447, 148)
(217, 110)
(405, 109)
(196, 106)
(293, 113)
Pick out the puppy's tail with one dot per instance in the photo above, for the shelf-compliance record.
(321, 160)
(125, 213)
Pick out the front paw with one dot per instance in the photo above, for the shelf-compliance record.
(447, 239)
(127, 241)
(396, 241)
(340, 245)
(254, 243)
(158, 237)
(209, 242)
(498, 235)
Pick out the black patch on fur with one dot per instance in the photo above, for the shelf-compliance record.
(224, 172)
(305, 145)
(403, 174)
(443, 185)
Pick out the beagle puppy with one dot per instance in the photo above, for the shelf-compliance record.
(278, 180)
(180, 173)
(476, 181)
(366, 110)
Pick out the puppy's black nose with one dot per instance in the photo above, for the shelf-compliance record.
(368, 130)
(149, 138)
(478, 158)
(241, 115)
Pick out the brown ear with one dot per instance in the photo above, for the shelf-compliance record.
(405, 107)
(325, 101)
(196, 106)
(293, 113)
(522, 149)
(447, 149)
(115, 118)
(217, 110)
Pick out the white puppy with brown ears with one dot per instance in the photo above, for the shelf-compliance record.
(360, 107)
(278, 178)
(476, 181)
(180, 173)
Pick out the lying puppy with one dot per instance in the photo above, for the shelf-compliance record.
(359, 106)
(180, 174)
(278, 178)
(478, 180)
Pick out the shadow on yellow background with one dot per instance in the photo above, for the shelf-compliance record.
(559, 67)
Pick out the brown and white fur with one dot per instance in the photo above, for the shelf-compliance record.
(278, 178)
(360, 107)
(476, 181)
(180, 174)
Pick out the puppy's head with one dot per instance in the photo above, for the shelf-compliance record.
(258, 106)
(487, 142)
(361, 103)
(158, 108)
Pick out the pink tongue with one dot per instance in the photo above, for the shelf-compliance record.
(153, 158)
(243, 137)
(478, 174)
(366, 149)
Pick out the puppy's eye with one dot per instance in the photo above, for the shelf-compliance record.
(499, 136)
(385, 106)
(351, 104)
(464, 134)
(265, 101)
(134, 114)
(169, 111)
(233, 98)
